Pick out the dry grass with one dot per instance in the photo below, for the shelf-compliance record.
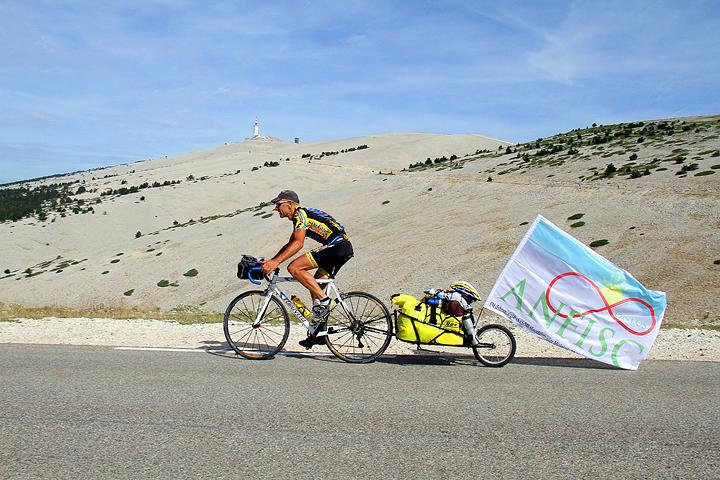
(184, 314)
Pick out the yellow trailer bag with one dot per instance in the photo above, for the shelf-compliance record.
(413, 323)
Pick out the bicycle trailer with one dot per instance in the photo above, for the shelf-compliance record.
(423, 324)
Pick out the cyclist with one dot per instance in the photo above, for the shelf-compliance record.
(334, 252)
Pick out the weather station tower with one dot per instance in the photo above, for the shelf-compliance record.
(256, 129)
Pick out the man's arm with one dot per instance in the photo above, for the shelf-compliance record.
(296, 242)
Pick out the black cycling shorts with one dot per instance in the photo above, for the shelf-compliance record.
(331, 257)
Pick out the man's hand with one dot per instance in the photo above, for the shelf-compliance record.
(268, 266)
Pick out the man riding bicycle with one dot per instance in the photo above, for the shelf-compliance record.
(335, 251)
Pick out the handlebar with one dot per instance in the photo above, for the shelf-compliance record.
(262, 275)
(250, 275)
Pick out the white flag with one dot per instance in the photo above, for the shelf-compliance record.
(564, 292)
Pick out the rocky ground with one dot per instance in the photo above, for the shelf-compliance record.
(671, 344)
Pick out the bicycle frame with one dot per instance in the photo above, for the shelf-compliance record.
(273, 289)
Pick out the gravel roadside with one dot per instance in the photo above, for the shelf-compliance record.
(671, 344)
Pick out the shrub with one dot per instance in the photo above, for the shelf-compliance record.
(599, 243)
(163, 283)
(138, 234)
(386, 202)
(129, 292)
(7, 270)
(610, 170)
(577, 224)
(191, 273)
(577, 216)
(633, 156)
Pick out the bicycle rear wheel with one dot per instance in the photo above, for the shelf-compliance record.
(362, 333)
(261, 340)
(496, 347)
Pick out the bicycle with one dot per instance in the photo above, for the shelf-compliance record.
(257, 325)
(494, 344)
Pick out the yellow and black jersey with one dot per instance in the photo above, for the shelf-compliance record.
(318, 225)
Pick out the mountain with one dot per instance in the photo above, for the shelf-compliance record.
(421, 210)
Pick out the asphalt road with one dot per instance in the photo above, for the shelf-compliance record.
(97, 412)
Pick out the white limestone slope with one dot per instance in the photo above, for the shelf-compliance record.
(410, 230)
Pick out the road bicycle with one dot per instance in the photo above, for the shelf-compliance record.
(357, 329)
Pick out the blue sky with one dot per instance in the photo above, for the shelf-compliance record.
(85, 84)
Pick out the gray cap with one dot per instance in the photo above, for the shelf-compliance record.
(286, 195)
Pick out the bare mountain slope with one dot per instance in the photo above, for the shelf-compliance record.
(439, 221)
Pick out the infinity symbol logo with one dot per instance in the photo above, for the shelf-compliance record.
(607, 307)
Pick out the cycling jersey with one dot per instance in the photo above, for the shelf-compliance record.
(318, 225)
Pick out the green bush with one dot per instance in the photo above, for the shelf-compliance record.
(191, 273)
(129, 292)
(599, 243)
(138, 234)
(577, 224)
(163, 283)
(577, 216)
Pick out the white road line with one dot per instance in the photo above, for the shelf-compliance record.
(209, 350)
(168, 349)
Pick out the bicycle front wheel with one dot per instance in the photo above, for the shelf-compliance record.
(359, 328)
(256, 326)
(496, 346)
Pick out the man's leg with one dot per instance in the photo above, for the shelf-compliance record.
(300, 269)
(321, 274)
